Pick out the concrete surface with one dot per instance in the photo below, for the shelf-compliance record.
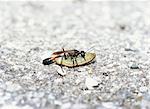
(118, 32)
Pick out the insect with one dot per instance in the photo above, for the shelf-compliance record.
(70, 58)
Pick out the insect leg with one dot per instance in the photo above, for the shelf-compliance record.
(84, 58)
(61, 63)
(73, 61)
(76, 61)
(82, 54)
(64, 53)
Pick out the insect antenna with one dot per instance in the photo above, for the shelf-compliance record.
(90, 48)
(61, 64)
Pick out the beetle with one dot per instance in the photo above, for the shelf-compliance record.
(70, 58)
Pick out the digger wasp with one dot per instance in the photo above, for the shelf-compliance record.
(70, 58)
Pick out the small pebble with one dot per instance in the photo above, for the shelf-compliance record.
(91, 83)
(90, 70)
(122, 27)
(129, 49)
(134, 66)
(78, 81)
(56, 102)
(143, 89)
(61, 71)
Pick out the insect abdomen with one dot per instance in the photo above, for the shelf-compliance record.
(47, 61)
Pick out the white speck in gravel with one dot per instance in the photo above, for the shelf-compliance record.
(90, 83)
(56, 102)
(90, 70)
(9, 106)
(50, 97)
(66, 106)
(78, 81)
(79, 106)
(61, 71)
(143, 89)
(109, 105)
(58, 80)
(133, 65)
(12, 86)
(87, 92)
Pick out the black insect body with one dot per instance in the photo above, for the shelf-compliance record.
(73, 54)
(63, 58)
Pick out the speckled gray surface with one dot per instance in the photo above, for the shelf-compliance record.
(118, 32)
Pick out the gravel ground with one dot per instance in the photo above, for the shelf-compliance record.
(118, 32)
